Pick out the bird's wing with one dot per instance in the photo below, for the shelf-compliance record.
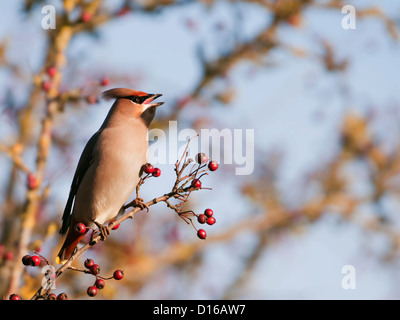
(84, 163)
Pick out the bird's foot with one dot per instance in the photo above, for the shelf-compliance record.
(103, 231)
(139, 203)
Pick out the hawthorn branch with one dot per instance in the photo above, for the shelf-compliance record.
(178, 192)
(14, 154)
(88, 272)
(96, 239)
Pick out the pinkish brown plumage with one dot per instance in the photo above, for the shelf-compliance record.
(109, 167)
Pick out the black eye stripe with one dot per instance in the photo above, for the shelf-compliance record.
(137, 99)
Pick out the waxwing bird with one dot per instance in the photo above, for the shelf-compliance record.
(110, 165)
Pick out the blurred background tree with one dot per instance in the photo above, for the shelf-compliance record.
(322, 101)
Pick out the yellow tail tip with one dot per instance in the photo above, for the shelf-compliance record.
(59, 261)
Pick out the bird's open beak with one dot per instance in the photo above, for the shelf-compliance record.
(148, 101)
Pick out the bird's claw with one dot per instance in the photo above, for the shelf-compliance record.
(103, 231)
(139, 203)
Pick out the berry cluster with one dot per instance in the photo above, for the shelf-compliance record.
(32, 261)
(51, 72)
(149, 169)
(206, 217)
(90, 267)
(61, 296)
(194, 177)
(92, 98)
(202, 159)
(99, 283)
(50, 296)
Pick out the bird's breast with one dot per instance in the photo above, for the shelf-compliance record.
(114, 173)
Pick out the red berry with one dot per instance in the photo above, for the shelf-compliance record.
(94, 269)
(201, 158)
(211, 221)
(115, 227)
(100, 283)
(35, 261)
(46, 86)
(196, 183)
(51, 296)
(183, 101)
(51, 71)
(86, 16)
(91, 291)
(32, 181)
(148, 168)
(26, 260)
(118, 274)
(191, 24)
(202, 218)
(92, 99)
(62, 296)
(123, 11)
(8, 255)
(213, 165)
(156, 172)
(88, 263)
(294, 20)
(201, 233)
(208, 212)
(104, 81)
(15, 297)
(80, 228)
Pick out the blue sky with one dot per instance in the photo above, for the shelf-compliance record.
(294, 106)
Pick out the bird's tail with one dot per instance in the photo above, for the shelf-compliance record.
(70, 243)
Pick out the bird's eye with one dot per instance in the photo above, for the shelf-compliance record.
(135, 99)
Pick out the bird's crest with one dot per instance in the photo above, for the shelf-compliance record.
(121, 93)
